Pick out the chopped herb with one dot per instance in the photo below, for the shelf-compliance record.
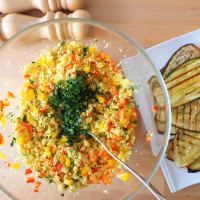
(135, 122)
(45, 114)
(117, 87)
(42, 137)
(51, 181)
(13, 142)
(95, 40)
(33, 61)
(69, 99)
(35, 91)
(85, 50)
(31, 81)
(62, 43)
(24, 118)
(62, 195)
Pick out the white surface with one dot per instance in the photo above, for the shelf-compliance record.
(177, 178)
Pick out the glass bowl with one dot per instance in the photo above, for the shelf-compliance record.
(21, 49)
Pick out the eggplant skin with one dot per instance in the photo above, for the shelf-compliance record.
(192, 171)
(183, 54)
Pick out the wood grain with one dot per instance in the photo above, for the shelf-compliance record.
(149, 22)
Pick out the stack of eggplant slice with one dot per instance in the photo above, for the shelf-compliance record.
(182, 78)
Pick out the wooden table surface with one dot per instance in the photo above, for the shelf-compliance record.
(150, 22)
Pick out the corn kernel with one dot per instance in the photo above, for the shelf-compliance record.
(99, 108)
(63, 139)
(91, 49)
(30, 95)
(84, 171)
(101, 126)
(125, 176)
(87, 68)
(55, 134)
(48, 152)
(67, 162)
(123, 122)
(2, 156)
(29, 117)
(34, 123)
(62, 158)
(100, 98)
(36, 168)
(16, 166)
(3, 121)
(107, 57)
(112, 162)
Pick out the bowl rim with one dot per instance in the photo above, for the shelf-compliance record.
(142, 51)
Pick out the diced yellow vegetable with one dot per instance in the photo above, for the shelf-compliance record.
(125, 176)
(101, 126)
(107, 57)
(100, 98)
(92, 49)
(30, 95)
(62, 158)
(99, 108)
(55, 134)
(16, 166)
(87, 68)
(67, 162)
(2, 156)
(85, 170)
(112, 162)
(29, 117)
(47, 151)
(3, 121)
(63, 139)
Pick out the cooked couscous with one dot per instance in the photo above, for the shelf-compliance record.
(69, 91)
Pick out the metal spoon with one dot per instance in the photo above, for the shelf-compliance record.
(150, 187)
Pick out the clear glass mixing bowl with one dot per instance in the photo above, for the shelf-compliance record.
(18, 51)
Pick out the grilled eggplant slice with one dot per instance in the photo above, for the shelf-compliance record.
(186, 148)
(185, 53)
(160, 126)
(169, 152)
(156, 91)
(195, 165)
(183, 83)
(186, 116)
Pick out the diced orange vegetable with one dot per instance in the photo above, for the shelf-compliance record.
(94, 179)
(154, 109)
(96, 152)
(1, 104)
(121, 114)
(42, 174)
(43, 111)
(28, 171)
(37, 184)
(105, 155)
(30, 87)
(30, 180)
(8, 164)
(114, 69)
(120, 171)
(105, 180)
(6, 102)
(10, 95)
(51, 160)
(116, 92)
(113, 146)
(101, 55)
(41, 132)
(134, 114)
(26, 76)
(36, 190)
(96, 72)
(110, 127)
(117, 138)
(73, 56)
(1, 140)
(121, 105)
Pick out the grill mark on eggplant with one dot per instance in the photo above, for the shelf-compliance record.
(185, 81)
(190, 115)
(177, 77)
(176, 115)
(197, 114)
(190, 92)
(184, 116)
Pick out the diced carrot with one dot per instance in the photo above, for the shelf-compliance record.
(41, 132)
(96, 72)
(121, 105)
(116, 92)
(114, 69)
(28, 171)
(94, 179)
(113, 146)
(117, 138)
(105, 180)
(6, 102)
(1, 104)
(111, 126)
(36, 190)
(10, 95)
(120, 171)
(26, 76)
(96, 152)
(1, 140)
(73, 56)
(94, 170)
(43, 111)
(104, 154)
(154, 109)
(134, 114)
(37, 184)
(30, 87)
(29, 128)
(121, 114)
(8, 164)
(101, 55)
(51, 160)
(59, 166)
(42, 174)
(30, 180)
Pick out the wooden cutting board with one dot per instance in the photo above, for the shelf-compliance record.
(149, 22)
